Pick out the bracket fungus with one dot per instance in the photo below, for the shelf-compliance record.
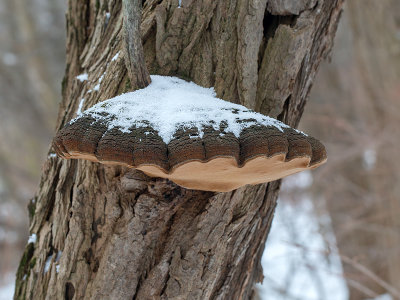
(178, 130)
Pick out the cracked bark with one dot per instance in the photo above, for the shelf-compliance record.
(121, 235)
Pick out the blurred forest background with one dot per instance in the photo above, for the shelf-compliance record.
(336, 234)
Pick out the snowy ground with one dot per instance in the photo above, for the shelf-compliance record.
(298, 262)
(7, 287)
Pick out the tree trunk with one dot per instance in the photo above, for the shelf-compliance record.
(111, 232)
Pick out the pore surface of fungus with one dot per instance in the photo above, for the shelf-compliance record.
(178, 130)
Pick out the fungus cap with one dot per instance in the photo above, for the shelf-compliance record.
(178, 130)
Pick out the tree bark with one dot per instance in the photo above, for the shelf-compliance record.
(113, 233)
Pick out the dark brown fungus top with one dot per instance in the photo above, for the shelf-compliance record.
(180, 131)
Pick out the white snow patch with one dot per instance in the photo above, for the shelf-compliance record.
(169, 103)
(79, 111)
(10, 59)
(7, 287)
(47, 264)
(83, 77)
(369, 158)
(180, 3)
(115, 57)
(58, 257)
(32, 238)
(300, 180)
(52, 155)
(97, 87)
(298, 262)
(108, 15)
(299, 131)
(59, 253)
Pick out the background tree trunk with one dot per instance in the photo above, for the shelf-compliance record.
(113, 233)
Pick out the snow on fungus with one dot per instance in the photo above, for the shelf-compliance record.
(178, 130)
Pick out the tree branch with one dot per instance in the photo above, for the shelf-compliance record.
(134, 58)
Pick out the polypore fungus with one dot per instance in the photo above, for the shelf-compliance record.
(178, 130)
